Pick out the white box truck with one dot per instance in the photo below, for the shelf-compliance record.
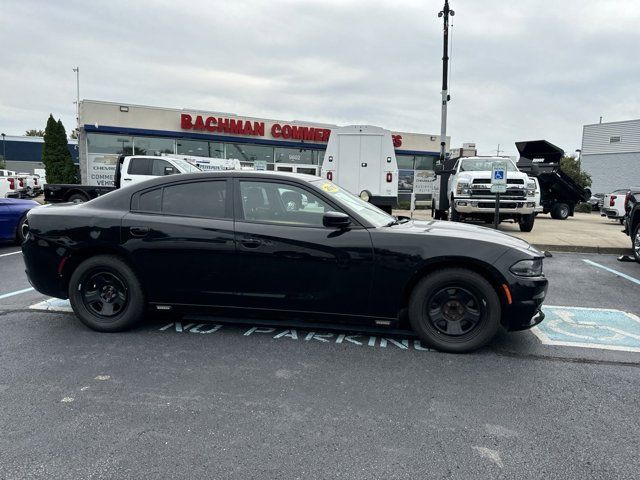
(362, 160)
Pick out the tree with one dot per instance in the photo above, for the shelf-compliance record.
(34, 133)
(56, 156)
(571, 167)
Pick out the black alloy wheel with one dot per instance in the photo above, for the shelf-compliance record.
(106, 295)
(455, 310)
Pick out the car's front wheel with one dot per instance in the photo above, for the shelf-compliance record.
(635, 243)
(455, 310)
(22, 230)
(106, 295)
(526, 222)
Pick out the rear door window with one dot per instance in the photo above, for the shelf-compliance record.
(196, 199)
(140, 166)
(162, 167)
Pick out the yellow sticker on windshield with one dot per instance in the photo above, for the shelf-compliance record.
(329, 187)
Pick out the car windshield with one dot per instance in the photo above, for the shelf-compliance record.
(484, 165)
(188, 167)
(366, 210)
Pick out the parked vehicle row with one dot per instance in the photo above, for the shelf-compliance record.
(286, 245)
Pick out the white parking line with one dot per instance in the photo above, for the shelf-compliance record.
(10, 253)
(620, 274)
(17, 292)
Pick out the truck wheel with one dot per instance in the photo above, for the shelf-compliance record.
(454, 216)
(526, 222)
(560, 211)
(454, 310)
(106, 295)
(78, 198)
(635, 243)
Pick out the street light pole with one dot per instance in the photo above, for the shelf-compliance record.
(77, 102)
(444, 14)
(4, 148)
(579, 152)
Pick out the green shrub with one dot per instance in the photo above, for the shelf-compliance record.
(584, 207)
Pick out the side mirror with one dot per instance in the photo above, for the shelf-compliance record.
(336, 220)
(169, 170)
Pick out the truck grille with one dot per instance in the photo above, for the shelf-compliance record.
(512, 193)
(493, 204)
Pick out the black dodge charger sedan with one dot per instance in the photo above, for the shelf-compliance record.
(270, 244)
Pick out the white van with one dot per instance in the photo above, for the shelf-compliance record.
(208, 164)
(362, 160)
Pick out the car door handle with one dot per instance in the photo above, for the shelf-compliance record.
(126, 179)
(251, 242)
(139, 231)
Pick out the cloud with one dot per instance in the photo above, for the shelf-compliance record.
(520, 70)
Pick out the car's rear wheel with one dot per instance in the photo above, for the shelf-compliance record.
(22, 230)
(454, 310)
(78, 198)
(106, 295)
(635, 243)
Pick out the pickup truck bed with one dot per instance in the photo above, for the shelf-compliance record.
(58, 193)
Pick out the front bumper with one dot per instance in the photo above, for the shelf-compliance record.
(479, 205)
(525, 311)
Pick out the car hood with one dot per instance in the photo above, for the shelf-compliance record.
(461, 230)
(22, 202)
(487, 174)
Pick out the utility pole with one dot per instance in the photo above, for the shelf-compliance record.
(444, 14)
(77, 102)
(498, 151)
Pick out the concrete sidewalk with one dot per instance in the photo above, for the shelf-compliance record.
(586, 233)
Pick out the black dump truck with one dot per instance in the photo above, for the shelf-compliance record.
(559, 194)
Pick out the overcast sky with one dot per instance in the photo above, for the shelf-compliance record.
(520, 69)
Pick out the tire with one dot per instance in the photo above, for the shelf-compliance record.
(526, 222)
(454, 216)
(473, 311)
(78, 198)
(560, 211)
(635, 243)
(118, 292)
(621, 221)
(21, 230)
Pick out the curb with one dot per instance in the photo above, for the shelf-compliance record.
(583, 249)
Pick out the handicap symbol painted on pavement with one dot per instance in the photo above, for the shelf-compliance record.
(498, 174)
(590, 328)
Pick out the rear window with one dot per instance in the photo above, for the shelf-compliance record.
(195, 199)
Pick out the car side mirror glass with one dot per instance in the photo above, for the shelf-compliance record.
(336, 220)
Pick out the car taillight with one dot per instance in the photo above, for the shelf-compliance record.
(389, 177)
(612, 200)
(12, 183)
(21, 182)
(330, 176)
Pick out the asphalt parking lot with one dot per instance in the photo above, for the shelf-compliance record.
(187, 399)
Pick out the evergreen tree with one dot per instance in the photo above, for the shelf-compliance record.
(56, 156)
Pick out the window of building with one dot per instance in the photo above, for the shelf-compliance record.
(425, 162)
(152, 146)
(197, 148)
(615, 139)
(115, 144)
(405, 161)
(248, 154)
(197, 199)
(281, 203)
(319, 154)
(295, 155)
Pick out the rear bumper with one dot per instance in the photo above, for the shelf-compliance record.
(525, 311)
(610, 213)
(41, 267)
(383, 201)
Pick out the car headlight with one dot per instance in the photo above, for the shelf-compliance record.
(364, 195)
(531, 188)
(527, 268)
(463, 188)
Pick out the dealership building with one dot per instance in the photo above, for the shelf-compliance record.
(611, 155)
(108, 129)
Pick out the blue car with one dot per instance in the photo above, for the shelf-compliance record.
(13, 218)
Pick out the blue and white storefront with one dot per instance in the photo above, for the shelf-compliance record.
(110, 129)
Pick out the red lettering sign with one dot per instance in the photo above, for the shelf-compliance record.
(397, 141)
(185, 121)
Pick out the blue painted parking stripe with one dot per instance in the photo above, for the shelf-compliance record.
(620, 274)
(17, 292)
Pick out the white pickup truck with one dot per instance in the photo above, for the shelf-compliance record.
(129, 170)
(12, 185)
(469, 193)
